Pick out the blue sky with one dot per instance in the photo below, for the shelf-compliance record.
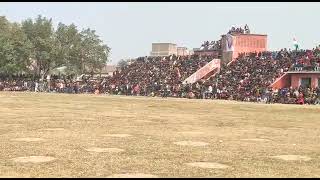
(130, 28)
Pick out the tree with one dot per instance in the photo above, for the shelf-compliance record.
(81, 52)
(15, 48)
(93, 54)
(40, 32)
(122, 63)
(37, 43)
(67, 47)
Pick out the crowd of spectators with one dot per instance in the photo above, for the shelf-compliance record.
(58, 84)
(15, 83)
(213, 45)
(248, 78)
(154, 76)
(239, 30)
(307, 60)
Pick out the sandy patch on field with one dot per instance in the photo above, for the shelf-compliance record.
(191, 133)
(208, 165)
(292, 157)
(33, 159)
(8, 177)
(136, 175)
(28, 139)
(145, 121)
(54, 129)
(117, 135)
(256, 139)
(6, 125)
(191, 143)
(112, 150)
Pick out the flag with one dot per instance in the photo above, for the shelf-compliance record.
(295, 44)
(229, 43)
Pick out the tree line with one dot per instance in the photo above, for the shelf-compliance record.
(35, 47)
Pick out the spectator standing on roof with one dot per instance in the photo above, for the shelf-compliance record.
(246, 29)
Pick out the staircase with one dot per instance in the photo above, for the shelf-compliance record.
(206, 71)
(281, 82)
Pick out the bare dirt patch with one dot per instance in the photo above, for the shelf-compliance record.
(8, 177)
(293, 158)
(136, 175)
(33, 159)
(208, 165)
(53, 129)
(8, 124)
(145, 121)
(28, 139)
(191, 133)
(117, 135)
(100, 150)
(256, 140)
(191, 143)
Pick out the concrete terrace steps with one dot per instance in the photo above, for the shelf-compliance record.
(206, 71)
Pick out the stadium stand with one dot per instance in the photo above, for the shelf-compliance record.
(249, 78)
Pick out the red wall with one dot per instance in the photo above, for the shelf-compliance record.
(295, 79)
(245, 43)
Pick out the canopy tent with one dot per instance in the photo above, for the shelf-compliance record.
(59, 70)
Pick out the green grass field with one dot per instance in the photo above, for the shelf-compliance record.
(138, 135)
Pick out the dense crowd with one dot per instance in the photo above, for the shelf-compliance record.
(246, 79)
(59, 84)
(250, 76)
(151, 76)
(213, 45)
(239, 30)
(307, 60)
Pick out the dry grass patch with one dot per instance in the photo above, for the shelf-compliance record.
(208, 165)
(99, 150)
(117, 135)
(28, 139)
(256, 140)
(54, 129)
(231, 133)
(191, 133)
(136, 175)
(191, 143)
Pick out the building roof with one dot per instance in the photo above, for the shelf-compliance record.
(165, 43)
(246, 34)
(206, 50)
(108, 68)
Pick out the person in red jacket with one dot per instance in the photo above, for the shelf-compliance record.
(300, 99)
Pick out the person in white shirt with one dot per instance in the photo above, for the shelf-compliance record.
(209, 92)
(210, 89)
(36, 88)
